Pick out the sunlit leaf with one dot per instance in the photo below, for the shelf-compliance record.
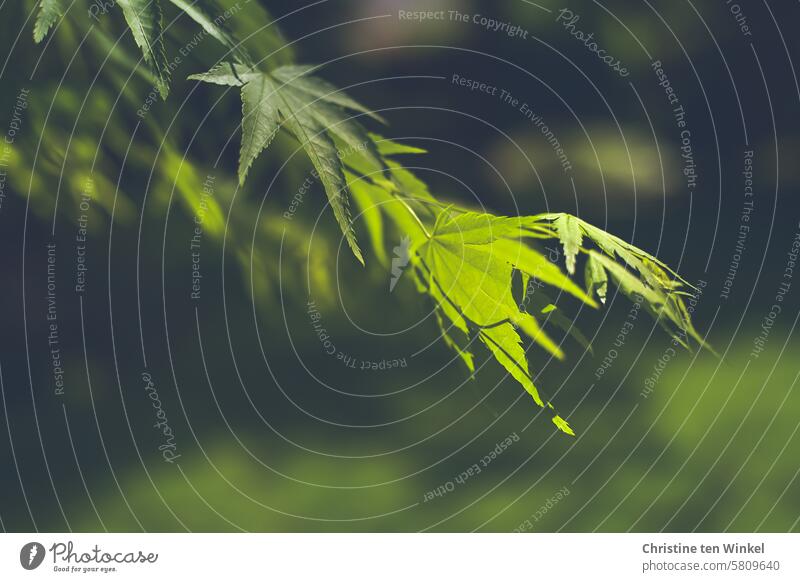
(596, 279)
(469, 266)
(569, 231)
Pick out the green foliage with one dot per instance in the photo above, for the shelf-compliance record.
(466, 263)
(467, 266)
(145, 20)
(636, 273)
(471, 270)
(310, 109)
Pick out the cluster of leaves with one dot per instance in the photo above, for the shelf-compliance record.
(146, 22)
(465, 262)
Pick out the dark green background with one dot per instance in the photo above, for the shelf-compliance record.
(264, 446)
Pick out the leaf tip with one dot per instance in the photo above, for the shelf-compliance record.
(244, 169)
(163, 89)
(563, 425)
(360, 258)
(353, 244)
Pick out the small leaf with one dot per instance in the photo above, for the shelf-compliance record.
(145, 21)
(49, 12)
(596, 279)
(563, 425)
(665, 306)
(569, 231)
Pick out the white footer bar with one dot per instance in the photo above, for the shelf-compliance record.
(400, 557)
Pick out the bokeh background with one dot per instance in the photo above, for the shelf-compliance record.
(276, 435)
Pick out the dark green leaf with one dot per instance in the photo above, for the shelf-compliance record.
(145, 21)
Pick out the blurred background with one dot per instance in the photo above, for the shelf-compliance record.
(131, 404)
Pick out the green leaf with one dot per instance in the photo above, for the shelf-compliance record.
(596, 279)
(569, 231)
(447, 307)
(536, 265)
(473, 277)
(326, 104)
(666, 306)
(225, 73)
(49, 12)
(289, 97)
(396, 207)
(324, 156)
(470, 259)
(506, 238)
(145, 21)
(371, 214)
(300, 78)
(505, 344)
(531, 327)
(465, 355)
(202, 12)
(260, 121)
(563, 425)
(387, 147)
(480, 228)
(661, 289)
